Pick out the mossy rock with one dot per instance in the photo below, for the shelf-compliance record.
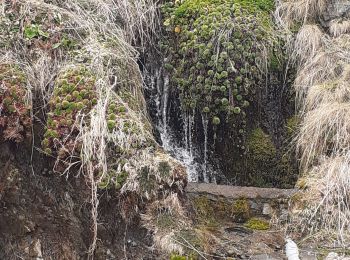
(257, 224)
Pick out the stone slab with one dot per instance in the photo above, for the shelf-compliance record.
(236, 192)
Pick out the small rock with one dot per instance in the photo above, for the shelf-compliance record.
(35, 249)
(267, 209)
(110, 256)
(254, 205)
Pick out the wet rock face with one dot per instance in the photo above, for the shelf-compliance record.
(216, 96)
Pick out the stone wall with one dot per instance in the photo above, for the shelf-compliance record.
(243, 202)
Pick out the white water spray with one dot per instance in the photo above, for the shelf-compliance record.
(205, 166)
(185, 155)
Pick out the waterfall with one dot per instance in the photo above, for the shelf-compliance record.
(182, 150)
(205, 165)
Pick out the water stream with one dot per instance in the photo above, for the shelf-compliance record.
(183, 150)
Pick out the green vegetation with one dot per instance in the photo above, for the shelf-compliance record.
(205, 211)
(15, 116)
(72, 95)
(34, 31)
(178, 257)
(265, 166)
(211, 48)
(260, 146)
(240, 210)
(257, 224)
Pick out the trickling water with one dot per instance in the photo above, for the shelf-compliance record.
(205, 165)
(185, 119)
(190, 132)
(186, 154)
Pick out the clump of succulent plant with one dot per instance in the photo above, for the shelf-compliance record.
(215, 54)
(72, 97)
(15, 115)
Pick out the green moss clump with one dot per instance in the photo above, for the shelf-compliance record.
(266, 167)
(257, 224)
(261, 146)
(240, 210)
(178, 257)
(111, 124)
(164, 168)
(216, 120)
(206, 110)
(292, 125)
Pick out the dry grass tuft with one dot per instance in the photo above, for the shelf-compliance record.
(323, 67)
(339, 27)
(323, 95)
(308, 41)
(328, 92)
(324, 130)
(292, 11)
(327, 211)
(166, 218)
